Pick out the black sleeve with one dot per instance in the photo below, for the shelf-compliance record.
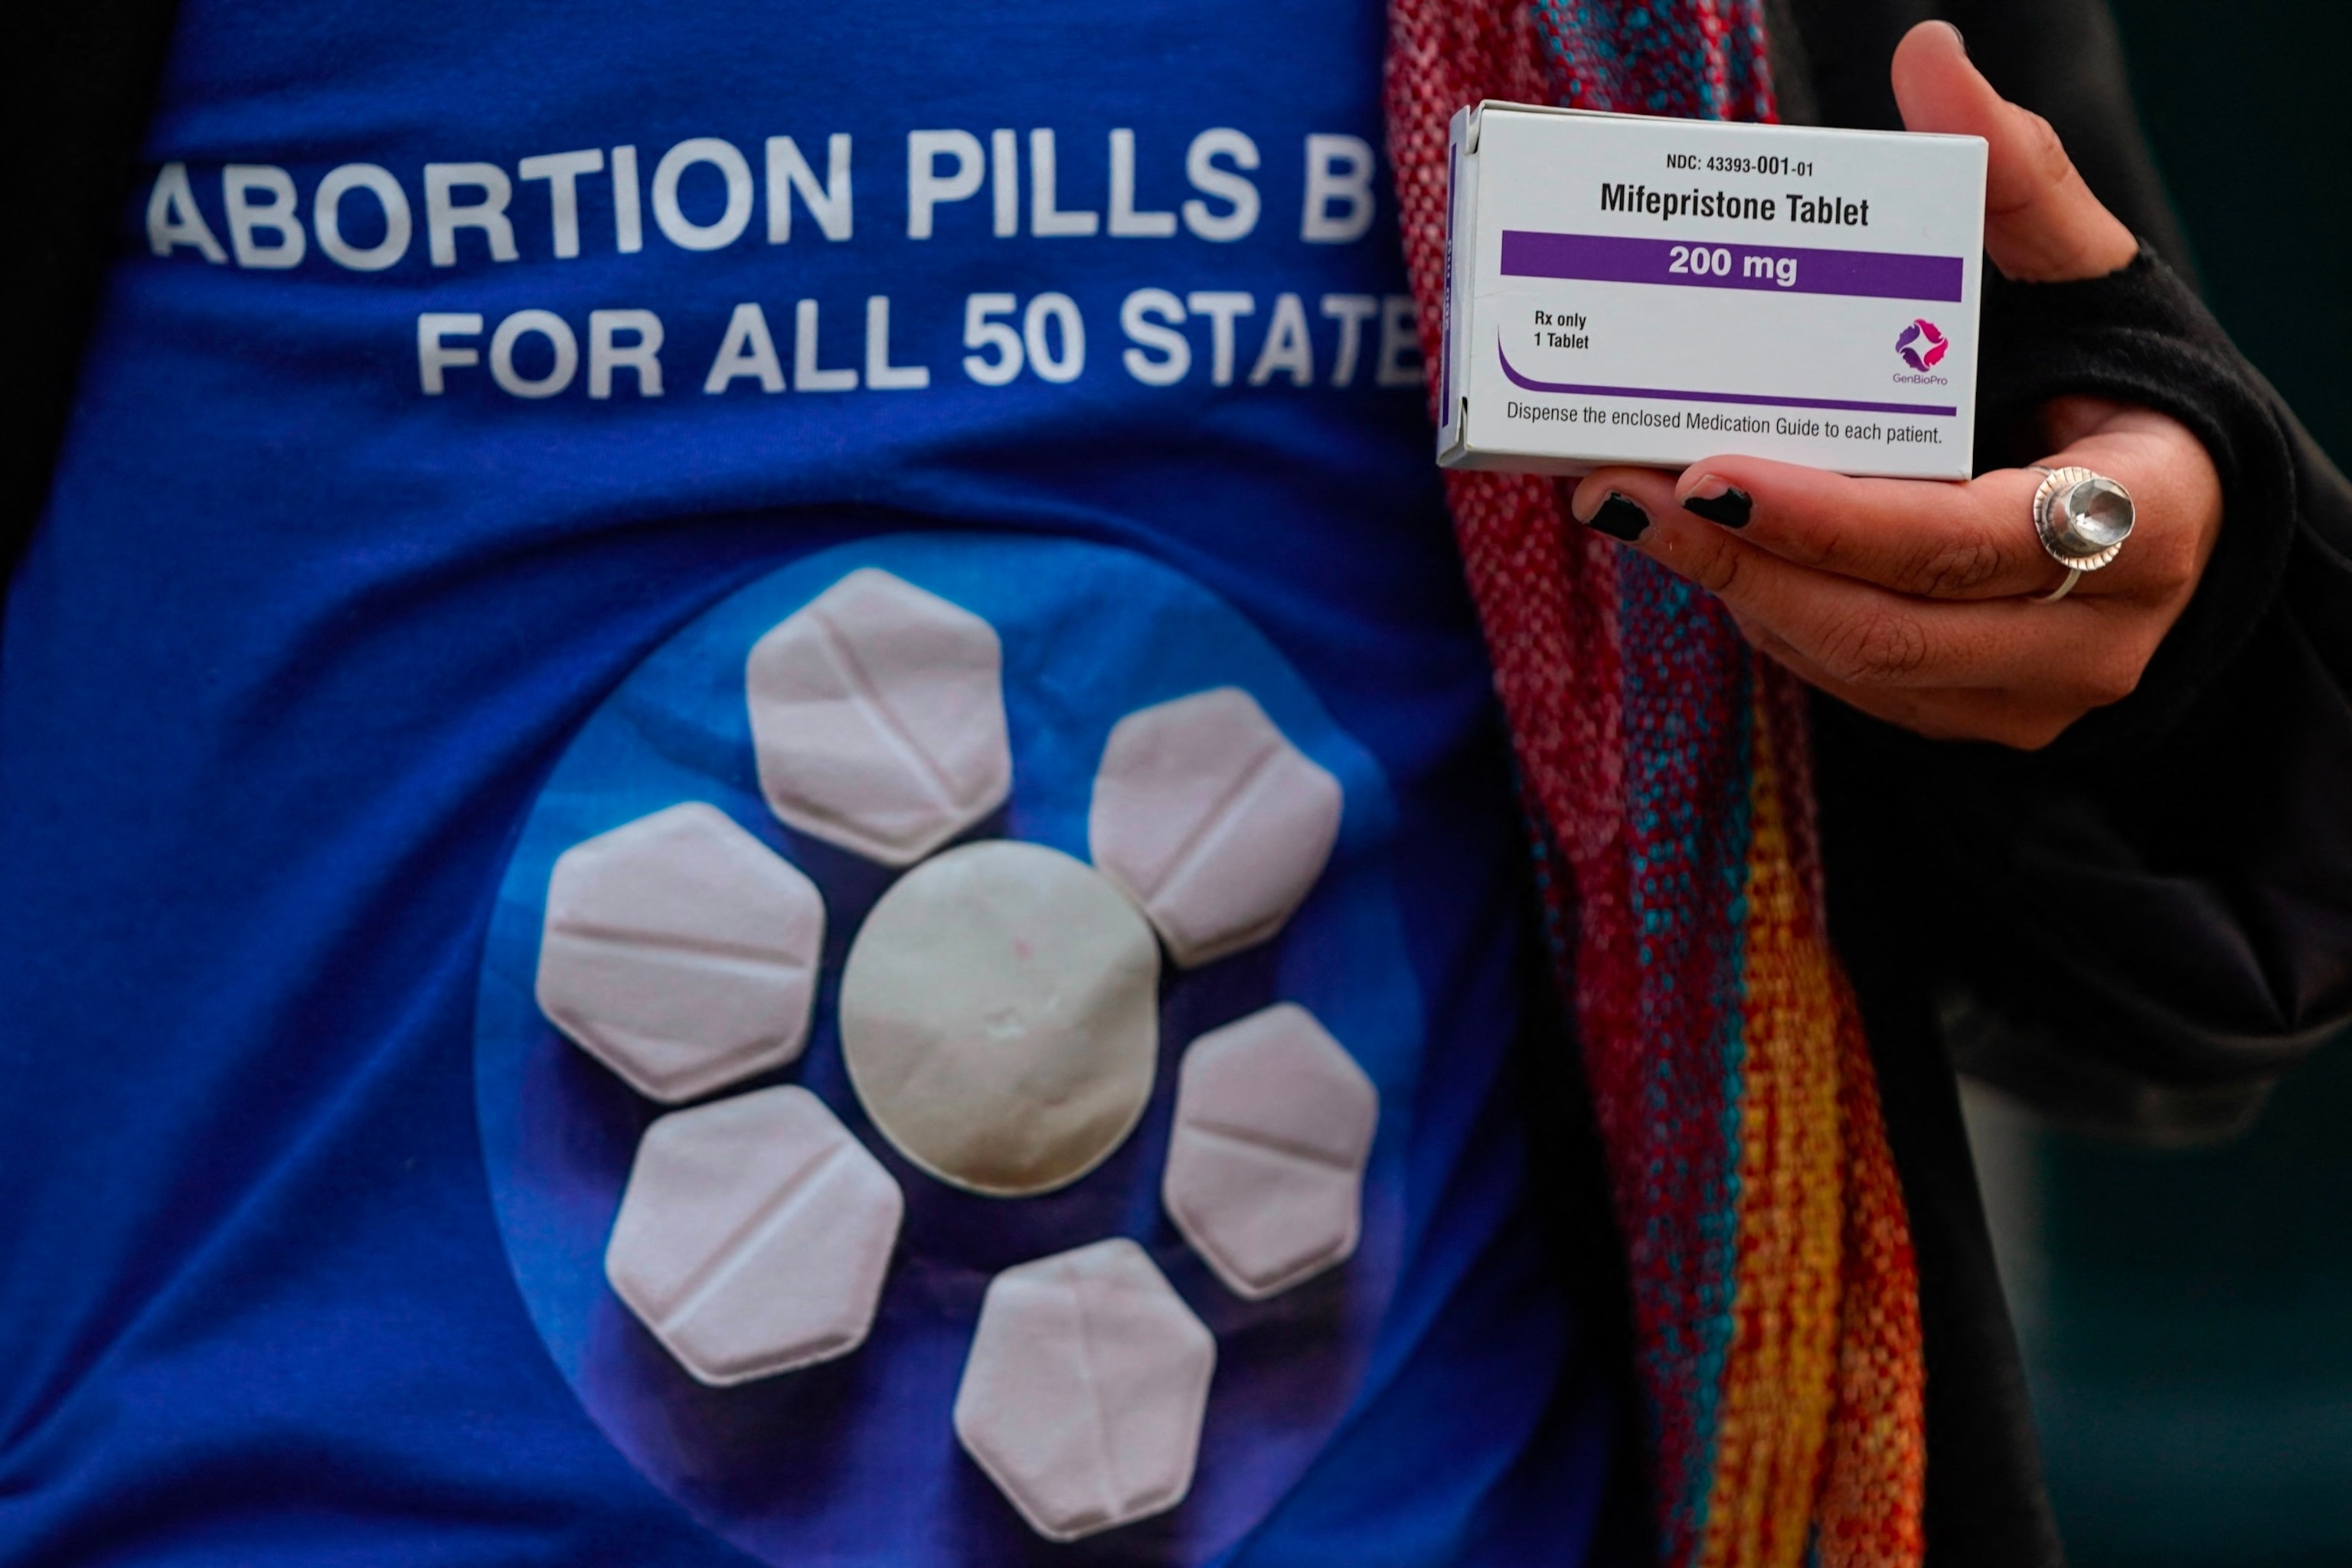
(2152, 922)
(2142, 927)
(76, 83)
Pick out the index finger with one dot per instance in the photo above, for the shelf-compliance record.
(1931, 539)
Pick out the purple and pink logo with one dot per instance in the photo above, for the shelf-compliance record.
(1921, 345)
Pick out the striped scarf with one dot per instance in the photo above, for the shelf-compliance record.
(1666, 771)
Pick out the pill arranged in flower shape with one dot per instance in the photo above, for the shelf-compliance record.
(999, 1017)
(680, 951)
(754, 1235)
(1207, 815)
(1000, 1025)
(878, 718)
(1086, 1389)
(1266, 1170)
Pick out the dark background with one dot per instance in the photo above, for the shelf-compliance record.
(2245, 103)
(2187, 1315)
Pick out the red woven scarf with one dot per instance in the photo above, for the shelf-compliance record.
(1664, 766)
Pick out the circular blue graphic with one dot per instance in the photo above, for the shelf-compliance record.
(856, 1460)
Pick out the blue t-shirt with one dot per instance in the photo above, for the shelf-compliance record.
(747, 805)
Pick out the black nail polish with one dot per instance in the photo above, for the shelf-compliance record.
(1963, 38)
(1730, 508)
(1621, 517)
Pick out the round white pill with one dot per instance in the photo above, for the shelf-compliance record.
(999, 1017)
(754, 1236)
(878, 718)
(1085, 1392)
(680, 951)
(1211, 821)
(1266, 1167)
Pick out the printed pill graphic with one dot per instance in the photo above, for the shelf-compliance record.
(1211, 821)
(999, 1017)
(878, 720)
(1084, 1394)
(680, 951)
(996, 1020)
(754, 1236)
(1266, 1170)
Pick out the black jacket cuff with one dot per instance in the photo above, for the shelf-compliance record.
(2140, 335)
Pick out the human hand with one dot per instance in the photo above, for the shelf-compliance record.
(1910, 599)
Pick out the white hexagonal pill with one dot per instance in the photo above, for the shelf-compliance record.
(1086, 1388)
(878, 718)
(680, 951)
(1266, 1167)
(754, 1236)
(1211, 821)
(1000, 1016)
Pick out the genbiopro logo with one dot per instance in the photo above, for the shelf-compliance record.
(1921, 345)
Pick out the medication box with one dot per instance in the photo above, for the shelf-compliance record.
(1624, 288)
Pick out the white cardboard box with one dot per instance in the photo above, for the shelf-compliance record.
(1626, 288)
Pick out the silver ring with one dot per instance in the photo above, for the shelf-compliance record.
(2082, 518)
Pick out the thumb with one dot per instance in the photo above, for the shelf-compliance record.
(2043, 224)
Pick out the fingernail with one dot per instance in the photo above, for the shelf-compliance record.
(1957, 36)
(1719, 502)
(1619, 517)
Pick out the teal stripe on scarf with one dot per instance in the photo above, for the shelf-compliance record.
(1687, 711)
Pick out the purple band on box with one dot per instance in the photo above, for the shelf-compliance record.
(1694, 264)
(1767, 400)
